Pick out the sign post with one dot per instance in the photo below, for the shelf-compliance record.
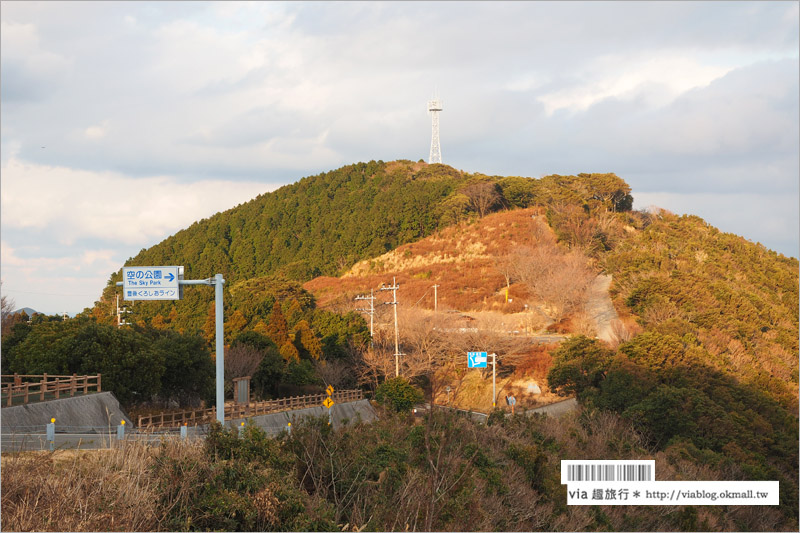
(494, 373)
(166, 283)
(220, 351)
(479, 360)
(329, 403)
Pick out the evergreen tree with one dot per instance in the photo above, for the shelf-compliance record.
(289, 352)
(277, 330)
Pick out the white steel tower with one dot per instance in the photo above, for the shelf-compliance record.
(434, 106)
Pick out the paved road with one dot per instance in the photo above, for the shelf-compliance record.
(85, 441)
(600, 308)
(553, 409)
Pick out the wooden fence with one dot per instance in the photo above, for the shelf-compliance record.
(233, 411)
(33, 387)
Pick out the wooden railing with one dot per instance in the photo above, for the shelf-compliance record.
(233, 411)
(32, 387)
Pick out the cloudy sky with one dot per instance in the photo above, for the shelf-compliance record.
(123, 122)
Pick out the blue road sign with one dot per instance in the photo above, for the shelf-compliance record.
(476, 359)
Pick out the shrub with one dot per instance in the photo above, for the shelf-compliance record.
(398, 394)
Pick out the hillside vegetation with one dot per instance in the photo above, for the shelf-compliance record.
(446, 474)
(324, 224)
(701, 372)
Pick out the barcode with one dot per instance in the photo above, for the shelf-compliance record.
(576, 471)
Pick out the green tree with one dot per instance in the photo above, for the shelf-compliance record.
(188, 369)
(289, 352)
(398, 394)
(579, 366)
(307, 343)
(131, 367)
(277, 329)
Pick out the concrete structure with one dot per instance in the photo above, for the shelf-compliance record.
(80, 414)
(276, 422)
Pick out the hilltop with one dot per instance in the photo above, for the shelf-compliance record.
(324, 224)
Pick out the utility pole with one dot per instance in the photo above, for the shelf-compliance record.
(494, 373)
(370, 312)
(120, 321)
(435, 298)
(397, 353)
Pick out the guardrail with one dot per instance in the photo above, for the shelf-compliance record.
(48, 386)
(195, 417)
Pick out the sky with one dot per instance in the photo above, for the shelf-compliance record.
(124, 122)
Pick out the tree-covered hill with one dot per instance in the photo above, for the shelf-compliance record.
(701, 287)
(324, 224)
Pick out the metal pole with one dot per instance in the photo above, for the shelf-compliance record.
(396, 334)
(220, 337)
(435, 298)
(371, 314)
(494, 393)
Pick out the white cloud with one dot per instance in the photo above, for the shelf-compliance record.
(153, 110)
(97, 131)
(77, 204)
(628, 77)
(59, 284)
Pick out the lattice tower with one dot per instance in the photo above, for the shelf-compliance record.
(434, 106)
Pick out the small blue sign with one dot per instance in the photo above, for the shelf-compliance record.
(476, 359)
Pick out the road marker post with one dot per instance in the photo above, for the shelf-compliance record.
(51, 434)
(328, 402)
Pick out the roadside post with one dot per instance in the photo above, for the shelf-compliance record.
(51, 434)
(479, 360)
(184, 431)
(329, 403)
(121, 430)
(166, 283)
(494, 374)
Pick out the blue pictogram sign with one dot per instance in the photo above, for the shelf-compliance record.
(476, 359)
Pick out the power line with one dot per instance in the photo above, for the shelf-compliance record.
(423, 296)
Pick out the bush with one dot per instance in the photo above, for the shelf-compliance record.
(398, 394)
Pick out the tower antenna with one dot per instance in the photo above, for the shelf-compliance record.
(434, 106)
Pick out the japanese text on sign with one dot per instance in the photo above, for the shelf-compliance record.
(151, 283)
